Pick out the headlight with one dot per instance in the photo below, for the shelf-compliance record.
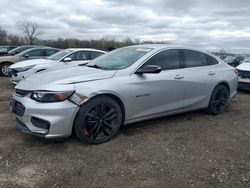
(23, 69)
(50, 96)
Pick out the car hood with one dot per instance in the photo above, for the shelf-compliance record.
(31, 62)
(59, 80)
(244, 67)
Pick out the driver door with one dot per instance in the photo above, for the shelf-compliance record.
(154, 94)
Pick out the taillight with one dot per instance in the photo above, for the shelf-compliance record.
(236, 72)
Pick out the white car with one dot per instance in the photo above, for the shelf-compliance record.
(244, 75)
(63, 59)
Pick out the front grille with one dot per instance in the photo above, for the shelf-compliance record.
(22, 93)
(244, 74)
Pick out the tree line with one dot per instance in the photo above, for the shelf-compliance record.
(30, 33)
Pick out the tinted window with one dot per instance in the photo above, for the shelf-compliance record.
(211, 60)
(82, 55)
(194, 59)
(50, 52)
(33, 53)
(167, 60)
(96, 54)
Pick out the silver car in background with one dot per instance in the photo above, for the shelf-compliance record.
(127, 85)
(62, 59)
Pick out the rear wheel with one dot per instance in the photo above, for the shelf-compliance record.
(98, 120)
(4, 69)
(218, 100)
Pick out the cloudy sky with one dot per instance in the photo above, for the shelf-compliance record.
(207, 24)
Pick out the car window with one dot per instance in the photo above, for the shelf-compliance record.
(167, 60)
(95, 54)
(50, 52)
(33, 53)
(81, 55)
(3, 50)
(194, 59)
(211, 60)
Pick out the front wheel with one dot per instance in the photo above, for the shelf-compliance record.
(4, 69)
(98, 120)
(218, 100)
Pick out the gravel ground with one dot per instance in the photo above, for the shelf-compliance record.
(187, 150)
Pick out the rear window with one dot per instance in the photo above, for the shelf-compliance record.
(194, 59)
(211, 60)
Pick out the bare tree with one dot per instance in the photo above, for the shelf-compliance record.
(3, 36)
(30, 30)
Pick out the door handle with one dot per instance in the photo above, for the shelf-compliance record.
(211, 73)
(178, 77)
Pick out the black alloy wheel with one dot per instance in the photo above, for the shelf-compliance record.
(219, 100)
(98, 120)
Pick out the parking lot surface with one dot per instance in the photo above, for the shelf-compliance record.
(187, 150)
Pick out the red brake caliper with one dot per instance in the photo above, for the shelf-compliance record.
(85, 131)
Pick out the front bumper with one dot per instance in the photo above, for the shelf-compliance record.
(48, 120)
(244, 84)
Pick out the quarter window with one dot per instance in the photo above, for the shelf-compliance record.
(167, 60)
(211, 60)
(194, 59)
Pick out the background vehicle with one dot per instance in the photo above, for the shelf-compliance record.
(234, 61)
(5, 49)
(21, 49)
(127, 85)
(63, 59)
(244, 75)
(34, 53)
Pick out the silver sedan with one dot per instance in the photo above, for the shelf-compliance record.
(127, 85)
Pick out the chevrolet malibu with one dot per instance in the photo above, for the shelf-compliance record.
(127, 85)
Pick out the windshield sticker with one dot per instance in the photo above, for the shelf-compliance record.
(143, 49)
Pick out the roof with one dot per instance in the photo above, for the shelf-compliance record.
(85, 49)
(157, 47)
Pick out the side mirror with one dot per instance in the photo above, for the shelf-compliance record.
(67, 59)
(150, 69)
(27, 55)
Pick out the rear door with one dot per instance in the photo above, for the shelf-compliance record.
(199, 77)
(154, 94)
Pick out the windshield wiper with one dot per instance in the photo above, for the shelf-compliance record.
(82, 64)
(96, 67)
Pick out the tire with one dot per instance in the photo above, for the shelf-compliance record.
(218, 100)
(4, 69)
(98, 120)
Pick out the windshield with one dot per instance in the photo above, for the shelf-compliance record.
(59, 55)
(119, 59)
